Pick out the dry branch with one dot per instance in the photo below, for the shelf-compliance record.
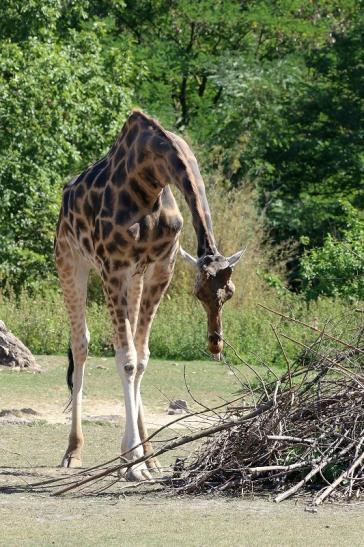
(335, 339)
(185, 439)
(312, 431)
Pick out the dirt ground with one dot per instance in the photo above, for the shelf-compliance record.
(33, 434)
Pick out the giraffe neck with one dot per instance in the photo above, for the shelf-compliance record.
(153, 158)
(189, 181)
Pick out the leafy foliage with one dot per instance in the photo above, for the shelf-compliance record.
(337, 268)
(61, 105)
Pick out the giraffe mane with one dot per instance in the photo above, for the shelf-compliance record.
(172, 139)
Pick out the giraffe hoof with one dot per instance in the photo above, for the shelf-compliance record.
(137, 474)
(71, 462)
(153, 466)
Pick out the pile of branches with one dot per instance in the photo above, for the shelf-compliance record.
(306, 435)
(298, 433)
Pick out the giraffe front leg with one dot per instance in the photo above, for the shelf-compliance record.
(119, 301)
(156, 281)
(131, 448)
(152, 463)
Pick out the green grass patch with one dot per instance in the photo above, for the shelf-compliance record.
(209, 382)
(179, 329)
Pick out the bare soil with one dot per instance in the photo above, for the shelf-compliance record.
(33, 437)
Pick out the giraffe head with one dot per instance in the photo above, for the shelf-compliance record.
(213, 287)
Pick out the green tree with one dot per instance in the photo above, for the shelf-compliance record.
(62, 102)
(317, 158)
(292, 124)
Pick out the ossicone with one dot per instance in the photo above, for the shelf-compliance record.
(234, 259)
(190, 259)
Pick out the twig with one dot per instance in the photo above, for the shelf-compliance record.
(284, 354)
(319, 499)
(291, 467)
(151, 436)
(343, 476)
(174, 444)
(248, 365)
(324, 461)
(290, 439)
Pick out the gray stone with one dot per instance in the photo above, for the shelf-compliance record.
(13, 353)
(178, 406)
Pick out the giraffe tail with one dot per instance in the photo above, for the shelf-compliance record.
(71, 366)
(70, 370)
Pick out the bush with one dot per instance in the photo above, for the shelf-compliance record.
(336, 269)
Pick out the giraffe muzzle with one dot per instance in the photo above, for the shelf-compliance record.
(215, 344)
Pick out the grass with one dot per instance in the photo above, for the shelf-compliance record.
(46, 393)
(179, 329)
(209, 382)
(149, 520)
(29, 453)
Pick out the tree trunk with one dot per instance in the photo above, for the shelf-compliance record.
(13, 353)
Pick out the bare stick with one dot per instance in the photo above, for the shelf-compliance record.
(174, 444)
(248, 365)
(193, 397)
(324, 461)
(151, 436)
(335, 364)
(284, 354)
(291, 467)
(319, 499)
(288, 438)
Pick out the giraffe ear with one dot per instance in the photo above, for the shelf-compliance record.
(188, 257)
(233, 259)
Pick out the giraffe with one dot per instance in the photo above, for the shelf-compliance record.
(119, 217)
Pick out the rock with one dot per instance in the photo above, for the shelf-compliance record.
(13, 353)
(179, 406)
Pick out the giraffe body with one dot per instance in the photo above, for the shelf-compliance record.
(120, 217)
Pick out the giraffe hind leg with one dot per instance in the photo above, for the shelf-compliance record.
(73, 273)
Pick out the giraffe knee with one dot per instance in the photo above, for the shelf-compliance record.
(126, 363)
(143, 358)
(130, 369)
(141, 366)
